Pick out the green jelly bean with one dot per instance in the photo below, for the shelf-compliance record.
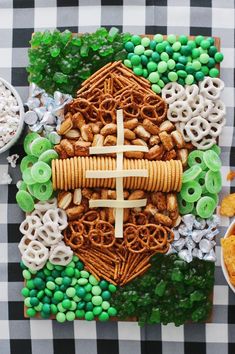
(34, 301)
(155, 57)
(212, 160)
(191, 173)
(26, 274)
(144, 59)
(148, 52)
(191, 191)
(164, 57)
(70, 292)
(205, 207)
(182, 73)
(152, 66)
(25, 292)
(97, 310)
(25, 201)
(81, 292)
(106, 295)
(58, 295)
(160, 47)
(213, 181)
(196, 65)
(46, 308)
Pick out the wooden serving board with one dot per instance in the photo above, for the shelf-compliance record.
(135, 319)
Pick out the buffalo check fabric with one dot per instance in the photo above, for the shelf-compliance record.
(18, 19)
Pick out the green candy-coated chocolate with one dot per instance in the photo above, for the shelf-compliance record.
(80, 313)
(214, 72)
(93, 280)
(70, 316)
(96, 300)
(139, 49)
(218, 57)
(153, 77)
(145, 42)
(60, 317)
(89, 316)
(96, 290)
(104, 316)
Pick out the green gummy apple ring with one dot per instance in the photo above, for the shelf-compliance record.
(41, 172)
(184, 207)
(27, 161)
(201, 180)
(27, 176)
(213, 182)
(40, 145)
(216, 149)
(191, 191)
(30, 189)
(23, 186)
(212, 160)
(205, 207)
(215, 197)
(48, 156)
(25, 201)
(196, 158)
(28, 141)
(43, 191)
(191, 173)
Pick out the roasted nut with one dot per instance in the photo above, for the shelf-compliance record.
(167, 126)
(128, 134)
(104, 193)
(66, 125)
(87, 193)
(170, 155)
(95, 128)
(81, 148)
(155, 153)
(95, 195)
(150, 127)
(109, 129)
(188, 146)
(154, 140)
(142, 133)
(177, 221)
(65, 200)
(163, 219)
(110, 215)
(77, 196)
(138, 194)
(78, 120)
(134, 154)
(98, 140)
(178, 139)
(150, 209)
(110, 140)
(111, 194)
(86, 132)
(103, 214)
(67, 146)
(139, 141)
(174, 215)
(182, 155)
(72, 134)
(159, 199)
(126, 215)
(131, 124)
(166, 140)
(74, 212)
(171, 202)
(62, 153)
(68, 115)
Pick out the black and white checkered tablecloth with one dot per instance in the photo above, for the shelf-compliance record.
(18, 19)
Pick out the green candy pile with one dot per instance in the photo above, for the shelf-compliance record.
(172, 290)
(201, 183)
(62, 61)
(174, 59)
(67, 292)
(36, 171)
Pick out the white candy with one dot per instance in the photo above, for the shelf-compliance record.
(5, 177)
(30, 117)
(35, 256)
(61, 254)
(12, 160)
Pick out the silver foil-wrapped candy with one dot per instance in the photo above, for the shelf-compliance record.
(195, 237)
(46, 111)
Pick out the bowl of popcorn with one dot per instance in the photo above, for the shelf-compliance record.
(11, 115)
(228, 256)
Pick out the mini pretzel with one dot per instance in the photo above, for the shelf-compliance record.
(197, 105)
(73, 234)
(207, 108)
(211, 88)
(205, 143)
(48, 234)
(179, 111)
(191, 91)
(197, 128)
(102, 235)
(131, 238)
(217, 112)
(153, 236)
(35, 256)
(30, 225)
(61, 254)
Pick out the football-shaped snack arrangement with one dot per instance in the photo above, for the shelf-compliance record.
(121, 176)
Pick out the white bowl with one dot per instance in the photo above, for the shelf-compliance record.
(230, 231)
(21, 118)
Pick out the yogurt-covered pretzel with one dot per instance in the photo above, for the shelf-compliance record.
(44, 206)
(60, 254)
(49, 234)
(205, 143)
(211, 87)
(35, 256)
(197, 105)
(29, 225)
(217, 112)
(179, 111)
(172, 91)
(197, 128)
